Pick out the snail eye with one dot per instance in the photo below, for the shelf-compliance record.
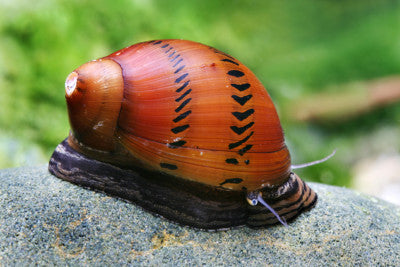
(252, 201)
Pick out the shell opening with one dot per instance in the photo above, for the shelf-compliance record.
(70, 83)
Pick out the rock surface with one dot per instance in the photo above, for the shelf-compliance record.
(46, 221)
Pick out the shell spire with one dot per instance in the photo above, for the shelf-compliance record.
(94, 93)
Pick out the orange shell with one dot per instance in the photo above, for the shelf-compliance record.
(194, 112)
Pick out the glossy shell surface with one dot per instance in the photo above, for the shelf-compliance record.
(194, 112)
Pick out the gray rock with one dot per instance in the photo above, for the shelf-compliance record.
(44, 220)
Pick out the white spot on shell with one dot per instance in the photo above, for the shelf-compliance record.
(201, 153)
(70, 83)
(98, 125)
(119, 53)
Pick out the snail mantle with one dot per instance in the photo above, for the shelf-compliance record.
(47, 221)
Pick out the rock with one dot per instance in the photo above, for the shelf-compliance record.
(47, 221)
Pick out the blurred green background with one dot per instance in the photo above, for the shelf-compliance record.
(296, 48)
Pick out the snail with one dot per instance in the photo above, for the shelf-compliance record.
(183, 130)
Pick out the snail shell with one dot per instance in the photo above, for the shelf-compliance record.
(183, 130)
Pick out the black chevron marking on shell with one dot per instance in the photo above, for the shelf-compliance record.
(179, 98)
(235, 73)
(179, 129)
(172, 54)
(222, 53)
(183, 95)
(243, 115)
(178, 80)
(164, 46)
(240, 130)
(230, 61)
(172, 60)
(182, 87)
(156, 43)
(242, 99)
(244, 150)
(176, 144)
(169, 49)
(232, 181)
(168, 166)
(176, 63)
(182, 116)
(241, 87)
(238, 143)
(181, 106)
(179, 69)
(232, 161)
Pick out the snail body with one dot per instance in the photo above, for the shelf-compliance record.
(183, 130)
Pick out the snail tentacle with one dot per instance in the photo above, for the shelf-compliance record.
(255, 197)
(299, 166)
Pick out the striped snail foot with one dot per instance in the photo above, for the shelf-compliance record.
(182, 201)
(288, 200)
